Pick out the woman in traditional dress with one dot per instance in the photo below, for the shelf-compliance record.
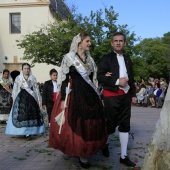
(25, 117)
(5, 95)
(84, 130)
(158, 155)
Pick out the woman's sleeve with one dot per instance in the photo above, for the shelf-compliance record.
(16, 89)
(65, 75)
(44, 94)
(36, 90)
(63, 87)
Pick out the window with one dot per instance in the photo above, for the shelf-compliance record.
(15, 23)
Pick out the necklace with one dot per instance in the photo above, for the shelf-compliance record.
(84, 63)
(82, 59)
(26, 77)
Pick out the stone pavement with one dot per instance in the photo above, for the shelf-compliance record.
(18, 154)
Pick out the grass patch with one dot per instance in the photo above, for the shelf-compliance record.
(46, 140)
(131, 168)
(43, 151)
(19, 158)
(27, 155)
(66, 158)
(29, 151)
(106, 167)
(140, 147)
(141, 157)
(9, 151)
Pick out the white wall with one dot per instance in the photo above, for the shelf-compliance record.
(32, 19)
(19, 1)
(41, 71)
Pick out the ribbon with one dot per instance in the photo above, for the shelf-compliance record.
(82, 71)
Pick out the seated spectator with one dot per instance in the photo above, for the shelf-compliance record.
(165, 83)
(148, 92)
(157, 92)
(151, 81)
(138, 88)
(156, 82)
(161, 98)
(162, 81)
(140, 94)
(142, 82)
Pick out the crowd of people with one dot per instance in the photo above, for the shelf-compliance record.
(79, 117)
(151, 93)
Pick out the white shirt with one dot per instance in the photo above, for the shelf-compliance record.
(155, 92)
(122, 68)
(55, 89)
(122, 72)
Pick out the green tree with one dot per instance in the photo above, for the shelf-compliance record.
(140, 68)
(50, 43)
(154, 57)
(166, 38)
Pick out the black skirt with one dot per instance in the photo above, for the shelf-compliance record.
(26, 111)
(86, 113)
(5, 101)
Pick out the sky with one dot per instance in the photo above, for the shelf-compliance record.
(147, 18)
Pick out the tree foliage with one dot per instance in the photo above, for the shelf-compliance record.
(50, 43)
(152, 57)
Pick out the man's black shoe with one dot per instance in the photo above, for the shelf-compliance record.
(85, 165)
(126, 161)
(105, 151)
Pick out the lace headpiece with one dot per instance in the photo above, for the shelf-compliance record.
(74, 45)
(9, 78)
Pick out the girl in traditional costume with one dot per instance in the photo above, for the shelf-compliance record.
(158, 155)
(5, 95)
(25, 117)
(84, 131)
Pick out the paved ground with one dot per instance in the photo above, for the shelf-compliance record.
(18, 154)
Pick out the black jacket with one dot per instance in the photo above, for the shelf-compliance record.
(109, 63)
(47, 95)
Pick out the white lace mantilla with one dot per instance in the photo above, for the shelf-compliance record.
(67, 63)
(32, 82)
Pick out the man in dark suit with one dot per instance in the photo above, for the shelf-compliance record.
(115, 74)
(49, 93)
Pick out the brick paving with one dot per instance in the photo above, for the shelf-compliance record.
(18, 154)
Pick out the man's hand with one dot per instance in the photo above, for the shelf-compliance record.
(62, 105)
(44, 107)
(108, 74)
(123, 81)
(134, 100)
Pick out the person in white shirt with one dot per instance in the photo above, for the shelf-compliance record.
(140, 94)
